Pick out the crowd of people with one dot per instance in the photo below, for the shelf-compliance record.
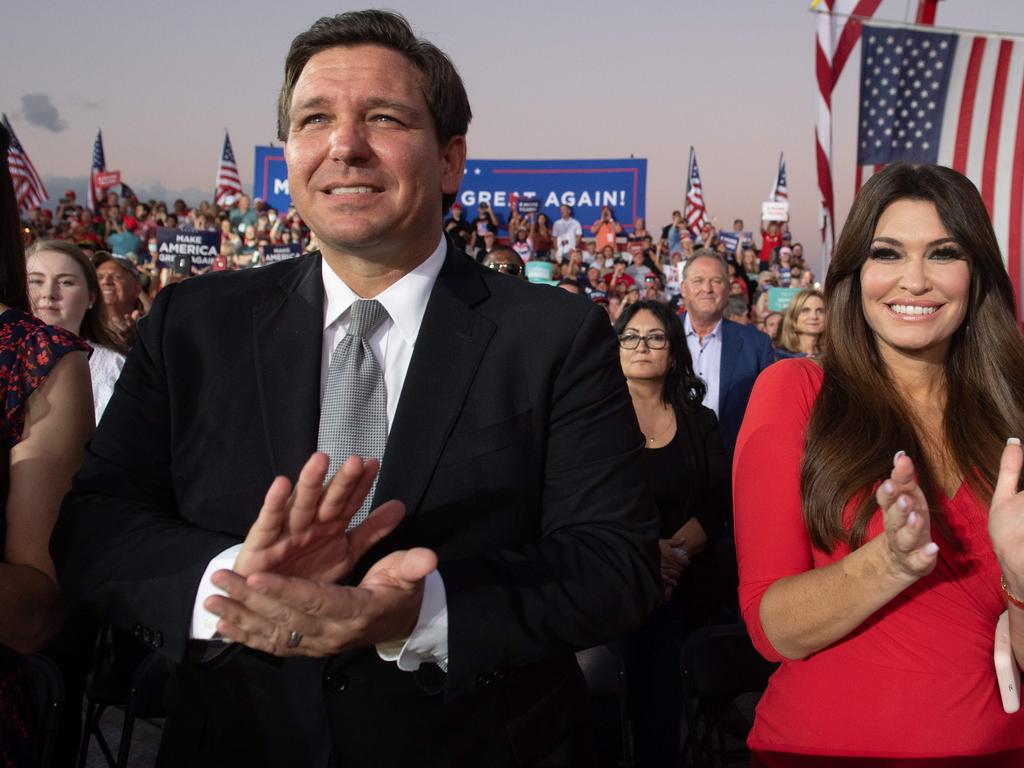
(520, 473)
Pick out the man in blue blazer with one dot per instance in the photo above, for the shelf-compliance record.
(728, 356)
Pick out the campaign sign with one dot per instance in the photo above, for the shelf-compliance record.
(275, 253)
(107, 179)
(584, 185)
(270, 178)
(775, 210)
(779, 298)
(200, 246)
(731, 240)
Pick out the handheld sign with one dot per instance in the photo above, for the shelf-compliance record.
(775, 211)
(202, 246)
(107, 179)
(528, 204)
(779, 298)
(275, 253)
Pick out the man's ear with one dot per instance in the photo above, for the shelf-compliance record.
(453, 154)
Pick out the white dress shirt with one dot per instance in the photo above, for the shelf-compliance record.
(392, 343)
(707, 359)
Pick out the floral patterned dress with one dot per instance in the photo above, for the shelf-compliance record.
(28, 352)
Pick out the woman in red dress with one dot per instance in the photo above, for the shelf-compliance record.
(876, 550)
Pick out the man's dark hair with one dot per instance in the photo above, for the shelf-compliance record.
(442, 87)
(13, 282)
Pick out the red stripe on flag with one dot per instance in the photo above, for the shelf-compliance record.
(860, 179)
(824, 75)
(850, 35)
(825, 185)
(963, 128)
(995, 123)
(1013, 246)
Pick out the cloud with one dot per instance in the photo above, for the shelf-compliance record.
(37, 109)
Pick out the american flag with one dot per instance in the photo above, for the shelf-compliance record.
(28, 187)
(952, 99)
(696, 214)
(837, 36)
(779, 192)
(228, 180)
(99, 165)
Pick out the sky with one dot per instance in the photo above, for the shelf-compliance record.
(569, 79)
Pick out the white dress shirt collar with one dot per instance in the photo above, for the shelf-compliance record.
(405, 300)
(689, 331)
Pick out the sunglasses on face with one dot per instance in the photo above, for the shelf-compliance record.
(509, 269)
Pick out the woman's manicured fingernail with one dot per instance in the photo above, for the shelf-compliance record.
(1013, 441)
(897, 457)
(902, 503)
(912, 518)
(931, 548)
(888, 487)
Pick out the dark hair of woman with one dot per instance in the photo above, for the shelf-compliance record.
(859, 420)
(13, 280)
(683, 389)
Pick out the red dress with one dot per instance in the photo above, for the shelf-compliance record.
(916, 680)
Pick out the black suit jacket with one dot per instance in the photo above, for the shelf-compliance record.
(514, 447)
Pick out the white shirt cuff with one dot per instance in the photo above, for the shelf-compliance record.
(204, 623)
(428, 642)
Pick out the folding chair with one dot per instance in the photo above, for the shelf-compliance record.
(718, 664)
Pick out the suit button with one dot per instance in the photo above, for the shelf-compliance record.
(137, 631)
(158, 639)
(336, 682)
(484, 679)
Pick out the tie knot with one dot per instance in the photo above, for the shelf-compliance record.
(364, 317)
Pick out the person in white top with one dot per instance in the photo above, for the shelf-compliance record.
(566, 233)
(64, 291)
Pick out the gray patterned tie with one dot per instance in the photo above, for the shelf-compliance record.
(353, 412)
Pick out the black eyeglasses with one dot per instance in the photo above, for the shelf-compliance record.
(508, 269)
(656, 340)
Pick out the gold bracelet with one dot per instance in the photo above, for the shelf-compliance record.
(1010, 597)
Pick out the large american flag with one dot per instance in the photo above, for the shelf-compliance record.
(779, 191)
(99, 165)
(28, 187)
(837, 35)
(696, 213)
(952, 99)
(228, 180)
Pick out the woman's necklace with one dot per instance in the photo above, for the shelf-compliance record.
(660, 431)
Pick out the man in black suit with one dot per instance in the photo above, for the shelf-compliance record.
(511, 443)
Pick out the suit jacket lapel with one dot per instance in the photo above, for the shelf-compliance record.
(451, 341)
(287, 337)
(732, 344)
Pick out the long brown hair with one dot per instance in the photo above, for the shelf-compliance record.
(789, 339)
(93, 327)
(860, 419)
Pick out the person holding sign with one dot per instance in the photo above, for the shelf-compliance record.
(883, 539)
(481, 518)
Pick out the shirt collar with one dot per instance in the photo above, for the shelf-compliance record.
(405, 300)
(688, 328)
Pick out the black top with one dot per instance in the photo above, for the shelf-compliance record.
(689, 477)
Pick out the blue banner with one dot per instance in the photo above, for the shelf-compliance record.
(275, 253)
(270, 178)
(185, 248)
(584, 185)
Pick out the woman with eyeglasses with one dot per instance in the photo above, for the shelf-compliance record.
(686, 472)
